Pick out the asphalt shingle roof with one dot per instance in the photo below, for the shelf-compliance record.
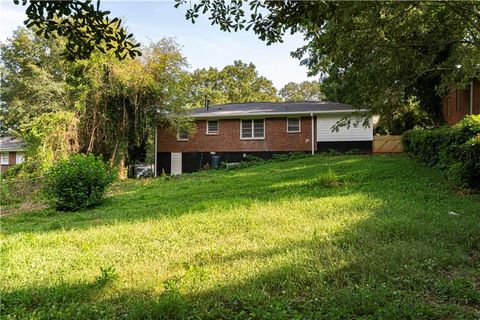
(11, 144)
(271, 109)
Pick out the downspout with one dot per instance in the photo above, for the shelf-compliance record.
(313, 134)
(155, 167)
(471, 97)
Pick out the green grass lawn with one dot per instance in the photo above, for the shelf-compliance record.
(321, 237)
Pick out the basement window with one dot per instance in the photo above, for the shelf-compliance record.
(182, 135)
(252, 129)
(212, 127)
(293, 125)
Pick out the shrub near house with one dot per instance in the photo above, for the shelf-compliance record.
(77, 183)
(456, 150)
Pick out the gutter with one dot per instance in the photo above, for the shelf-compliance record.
(244, 115)
(471, 97)
(313, 134)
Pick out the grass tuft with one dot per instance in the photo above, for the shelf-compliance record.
(327, 180)
(107, 275)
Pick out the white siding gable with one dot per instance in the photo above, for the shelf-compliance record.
(324, 130)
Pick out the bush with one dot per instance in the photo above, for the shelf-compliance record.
(5, 194)
(456, 150)
(77, 183)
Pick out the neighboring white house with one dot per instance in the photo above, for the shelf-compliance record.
(11, 152)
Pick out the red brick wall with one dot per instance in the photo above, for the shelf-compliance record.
(12, 159)
(228, 138)
(476, 97)
(460, 103)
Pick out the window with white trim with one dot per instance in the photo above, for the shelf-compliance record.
(212, 127)
(182, 135)
(4, 159)
(293, 125)
(252, 129)
(19, 157)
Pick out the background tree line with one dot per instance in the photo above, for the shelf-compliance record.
(110, 107)
(76, 86)
(396, 59)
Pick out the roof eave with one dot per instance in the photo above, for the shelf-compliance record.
(11, 149)
(270, 114)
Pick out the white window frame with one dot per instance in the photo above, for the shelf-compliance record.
(253, 130)
(299, 125)
(19, 157)
(182, 139)
(2, 160)
(213, 132)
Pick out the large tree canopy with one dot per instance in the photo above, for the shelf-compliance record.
(239, 82)
(33, 79)
(378, 54)
(303, 91)
(101, 105)
(84, 26)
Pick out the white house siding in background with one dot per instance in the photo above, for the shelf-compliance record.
(19, 157)
(325, 134)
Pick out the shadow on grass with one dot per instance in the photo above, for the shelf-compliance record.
(378, 268)
(407, 259)
(156, 198)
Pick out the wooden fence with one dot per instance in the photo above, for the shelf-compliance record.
(387, 144)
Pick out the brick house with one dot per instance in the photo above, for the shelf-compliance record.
(233, 131)
(11, 152)
(462, 102)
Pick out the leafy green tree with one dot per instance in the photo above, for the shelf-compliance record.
(239, 82)
(49, 137)
(83, 25)
(303, 91)
(33, 79)
(376, 55)
(124, 100)
(112, 105)
(408, 117)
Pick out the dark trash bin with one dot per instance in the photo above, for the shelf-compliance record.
(215, 162)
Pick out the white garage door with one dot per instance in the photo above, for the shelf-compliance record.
(324, 130)
(176, 163)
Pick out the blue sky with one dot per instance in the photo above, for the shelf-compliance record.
(203, 45)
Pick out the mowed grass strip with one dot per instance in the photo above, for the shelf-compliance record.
(320, 237)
